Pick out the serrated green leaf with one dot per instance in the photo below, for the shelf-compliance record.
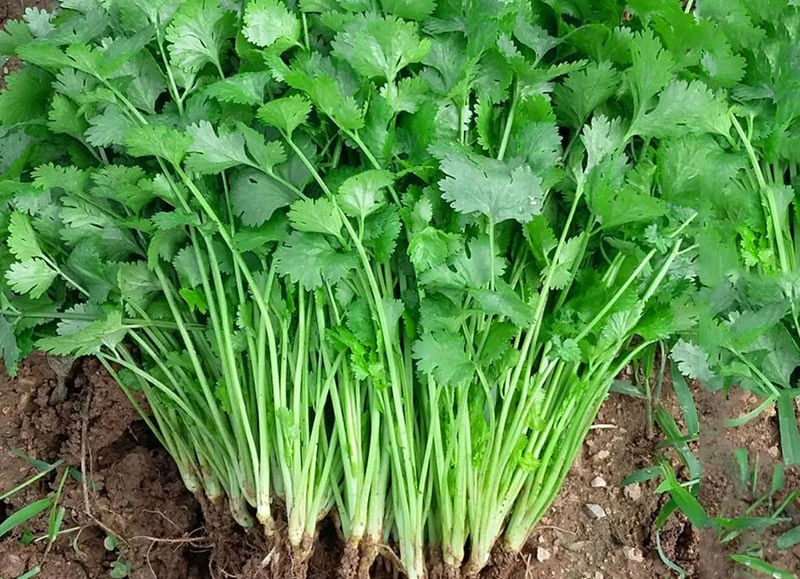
(361, 194)
(197, 33)
(158, 141)
(245, 88)
(475, 184)
(316, 216)
(286, 113)
(309, 259)
(268, 22)
(32, 277)
(379, 46)
(22, 241)
(442, 357)
(212, 153)
(256, 196)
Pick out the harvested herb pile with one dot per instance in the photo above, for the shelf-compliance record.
(383, 258)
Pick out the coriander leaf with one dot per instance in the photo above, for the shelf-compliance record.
(137, 284)
(583, 91)
(429, 247)
(381, 231)
(409, 9)
(197, 34)
(94, 274)
(308, 259)
(316, 216)
(31, 276)
(187, 268)
(158, 12)
(245, 88)
(86, 339)
(600, 139)
(692, 361)
(9, 349)
(475, 184)
(442, 356)
(256, 196)
(619, 206)
(209, 153)
(122, 184)
(359, 194)
(64, 117)
(379, 46)
(15, 34)
(158, 141)
(49, 176)
(194, 299)
(540, 237)
(475, 269)
(312, 75)
(538, 144)
(405, 95)
(684, 108)
(568, 350)
(22, 240)
(562, 267)
(651, 69)
(619, 326)
(504, 301)
(268, 22)
(285, 113)
(172, 219)
(108, 128)
(266, 154)
(24, 97)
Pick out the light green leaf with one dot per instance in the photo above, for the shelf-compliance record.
(310, 260)
(286, 113)
(22, 240)
(409, 9)
(380, 46)
(209, 153)
(86, 339)
(245, 88)
(158, 141)
(442, 356)
(361, 194)
(268, 22)
(9, 349)
(316, 216)
(32, 276)
(601, 138)
(197, 34)
(24, 97)
(692, 361)
(108, 128)
(475, 184)
(504, 301)
(256, 196)
(651, 70)
(583, 91)
(64, 117)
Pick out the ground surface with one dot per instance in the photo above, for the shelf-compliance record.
(54, 411)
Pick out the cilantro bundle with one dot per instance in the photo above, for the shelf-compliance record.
(382, 259)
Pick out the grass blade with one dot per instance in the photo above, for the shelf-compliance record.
(789, 539)
(23, 515)
(790, 435)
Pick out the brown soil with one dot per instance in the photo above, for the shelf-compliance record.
(129, 488)
(75, 412)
